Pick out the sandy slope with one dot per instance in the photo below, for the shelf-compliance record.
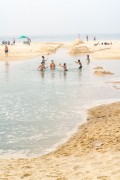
(92, 153)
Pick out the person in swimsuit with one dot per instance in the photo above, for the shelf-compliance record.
(52, 65)
(6, 50)
(80, 64)
(42, 67)
(64, 66)
(88, 59)
(87, 37)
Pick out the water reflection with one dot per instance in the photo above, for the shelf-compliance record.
(7, 70)
(52, 73)
(79, 73)
(65, 74)
(42, 74)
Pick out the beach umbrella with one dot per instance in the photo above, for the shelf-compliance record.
(23, 37)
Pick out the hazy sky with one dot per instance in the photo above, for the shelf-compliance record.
(35, 17)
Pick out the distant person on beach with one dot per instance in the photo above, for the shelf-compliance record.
(52, 65)
(80, 64)
(88, 58)
(95, 38)
(43, 60)
(13, 42)
(64, 66)
(42, 67)
(87, 37)
(96, 44)
(6, 50)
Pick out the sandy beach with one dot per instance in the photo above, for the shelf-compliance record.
(20, 51)
(77, 47)
(92, 153)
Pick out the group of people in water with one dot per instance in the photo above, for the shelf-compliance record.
(42, 66)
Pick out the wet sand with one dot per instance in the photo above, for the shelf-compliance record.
(92, 153)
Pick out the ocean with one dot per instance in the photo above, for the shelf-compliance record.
(63, 38)
(40, 110)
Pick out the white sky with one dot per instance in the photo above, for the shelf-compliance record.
(35, 17)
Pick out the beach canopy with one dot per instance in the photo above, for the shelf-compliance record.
(23, 37)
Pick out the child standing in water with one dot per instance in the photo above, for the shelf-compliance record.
(88, 59)
(6, 50)
(64, 66)
(80, 64)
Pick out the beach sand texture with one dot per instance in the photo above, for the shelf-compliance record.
(92, 153)
(78, 47)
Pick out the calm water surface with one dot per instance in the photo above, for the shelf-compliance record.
(39, 109)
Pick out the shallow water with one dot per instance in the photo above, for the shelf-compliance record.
(39, 109)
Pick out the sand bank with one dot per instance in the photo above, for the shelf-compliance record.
(92, 153)
(20, 51)
(104, 52)
(77, 47)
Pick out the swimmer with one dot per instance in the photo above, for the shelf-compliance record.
(80, 64)
(52, 65)
(64, 66)
(42, 67)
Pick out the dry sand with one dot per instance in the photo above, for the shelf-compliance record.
(93, 153)
(104, 52)
(77, 47)
(20, 51)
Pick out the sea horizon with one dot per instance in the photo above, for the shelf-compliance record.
(63, 37)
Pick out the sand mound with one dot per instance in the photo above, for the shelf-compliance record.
(77, 42)
(98, 67)
(103, 73)
(77, 47)
(78, 50)
(49, 49)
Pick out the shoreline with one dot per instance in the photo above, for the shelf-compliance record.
(74, 150)
(69, 134)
